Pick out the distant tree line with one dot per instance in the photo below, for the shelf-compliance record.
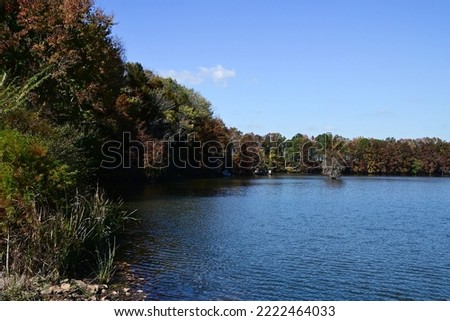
(359, 156)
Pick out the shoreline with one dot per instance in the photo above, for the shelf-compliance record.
(124, 286)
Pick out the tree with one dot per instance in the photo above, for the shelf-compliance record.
(358, 151)
(274, 146)
(332, 154)
(75, 39)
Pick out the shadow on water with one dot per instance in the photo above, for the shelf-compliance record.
(335, 183)
(181, 188)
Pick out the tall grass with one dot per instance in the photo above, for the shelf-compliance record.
(12, 96)
(76, 239)
(105, 263)
(65, 239)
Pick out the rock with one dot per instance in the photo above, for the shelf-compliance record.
(80, 284)
(114, 293)
(65, 287)
(127, 293)
(103, 291)
(126, 290)
(93, 298)
(105, 298)
(47, 291)
(56, 289)
(65, 281)
(104, 286)
(140, 291)
(92, 288)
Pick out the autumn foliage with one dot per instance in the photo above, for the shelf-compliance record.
(74, 39)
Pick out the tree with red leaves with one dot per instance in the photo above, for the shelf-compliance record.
(71, 38)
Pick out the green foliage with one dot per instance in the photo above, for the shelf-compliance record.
(13, 114)
(72, 233)
(28, 171)
(105, 263)
(74, 147)
(13, 97)
(417, 167)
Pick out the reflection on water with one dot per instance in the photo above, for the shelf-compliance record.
(293, 238)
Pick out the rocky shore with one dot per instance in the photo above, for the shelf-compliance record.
(125, 286)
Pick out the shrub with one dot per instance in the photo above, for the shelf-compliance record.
(28, 171)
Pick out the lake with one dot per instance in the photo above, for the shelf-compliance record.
(292, 238)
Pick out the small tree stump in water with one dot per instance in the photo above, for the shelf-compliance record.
(332, 168)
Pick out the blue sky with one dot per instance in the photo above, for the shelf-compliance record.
(373, 68)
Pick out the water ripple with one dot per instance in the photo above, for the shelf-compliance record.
(294, 238)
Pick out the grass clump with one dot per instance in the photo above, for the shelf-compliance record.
(61, 241)
(105, 263)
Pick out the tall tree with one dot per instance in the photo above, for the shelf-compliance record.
(75, 39)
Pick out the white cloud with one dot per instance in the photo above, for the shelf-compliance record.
(218, 74)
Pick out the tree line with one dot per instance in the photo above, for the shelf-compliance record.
(358, 156)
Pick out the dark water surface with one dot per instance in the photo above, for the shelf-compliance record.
(293, 238)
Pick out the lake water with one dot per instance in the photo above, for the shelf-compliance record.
(293, 238)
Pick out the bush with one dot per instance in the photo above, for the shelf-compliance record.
(27, 171)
